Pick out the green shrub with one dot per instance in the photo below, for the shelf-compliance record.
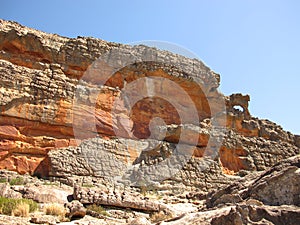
(50, 183)
(98, 209)
(3, 180)
(8, 205)
(17, 181)
(88, 185)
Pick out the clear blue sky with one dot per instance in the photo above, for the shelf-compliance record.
(253, 44)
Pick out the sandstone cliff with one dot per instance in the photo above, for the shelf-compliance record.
(83, 110)
(43, 74)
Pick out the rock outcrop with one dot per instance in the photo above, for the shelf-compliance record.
(116, 199)
(276, 186)
(42, 76)
(243, 202)
(83, 111)
(266, 199)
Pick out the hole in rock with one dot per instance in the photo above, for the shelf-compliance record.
(238, 108)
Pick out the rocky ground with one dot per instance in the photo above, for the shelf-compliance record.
(270, 197)
(79, 128)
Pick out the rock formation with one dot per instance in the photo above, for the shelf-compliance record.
(266, 199)
(83, 110)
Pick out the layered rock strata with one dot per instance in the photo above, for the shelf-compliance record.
(59, 103)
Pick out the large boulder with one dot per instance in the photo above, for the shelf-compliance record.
(276, 186)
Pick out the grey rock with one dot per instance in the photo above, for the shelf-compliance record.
(140, 221)
(47, 193)
(276, 186)
(117, 199)
(7, 191)
(44, 219)
(75, 209)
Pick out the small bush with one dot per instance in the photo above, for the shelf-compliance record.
(55, 210)
(3, 180)
(143, 190)
(22, 209)
(8, 205)
(50, 183)
(88, 185)
(97, 209)
(17, 181)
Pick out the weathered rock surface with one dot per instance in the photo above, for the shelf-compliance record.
(11, 220)
(249, 201)
(242, 214)
(47, 194)
(75, 210)
(140, 221)
(117, 199)
(41, 74)
(68, 117)
(41, 191)
(6, 191)
(277, 186)
(44, 219)
(270, 198)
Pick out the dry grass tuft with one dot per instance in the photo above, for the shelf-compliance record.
(55, 210)
(22, 210)
(98, 209)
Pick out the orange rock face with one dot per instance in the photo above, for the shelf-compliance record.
(51, 98)
(232, 159)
